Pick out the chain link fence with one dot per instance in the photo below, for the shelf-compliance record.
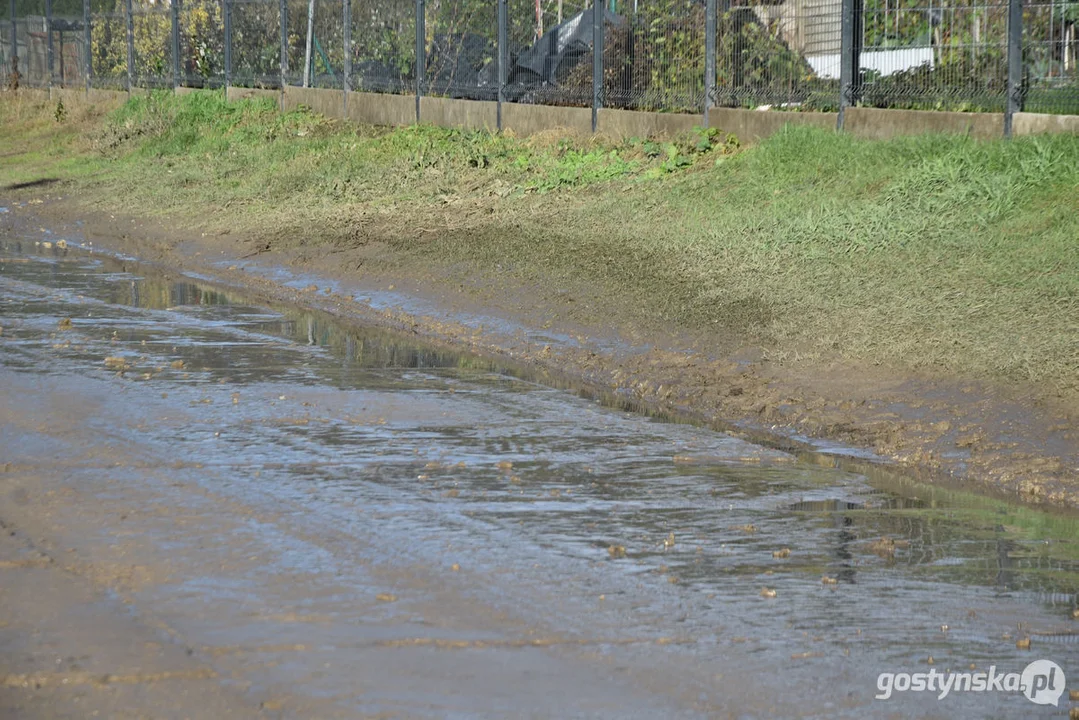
(658, 55)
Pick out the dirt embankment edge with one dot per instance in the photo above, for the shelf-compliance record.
(1020, 443)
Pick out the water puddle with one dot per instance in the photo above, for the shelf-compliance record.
(746, 551)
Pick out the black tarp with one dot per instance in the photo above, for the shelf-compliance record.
(556, 53)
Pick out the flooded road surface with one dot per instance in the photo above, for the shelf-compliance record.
(216, 509)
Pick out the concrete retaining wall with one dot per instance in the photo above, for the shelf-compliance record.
(532, 119)
(381, 109)
(622, 124)
(328, 103)
(96, 95)
(232, 94)
(749, 126)
(882, 124)
(1038, 124)
(466, 114)
(74, 98)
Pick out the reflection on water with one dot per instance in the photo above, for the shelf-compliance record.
(413, 435)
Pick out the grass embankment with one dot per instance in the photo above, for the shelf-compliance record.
(927, 252)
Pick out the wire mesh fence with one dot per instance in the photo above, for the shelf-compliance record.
(34, 59)
(656, 55)
(785, 56)
(461, 49)
(930, 56)
(202, 43)
(152, 43)
(108, 44)
(256, 42)
(320, 62)
(1051, 49)
(383, 46)
(549, 52)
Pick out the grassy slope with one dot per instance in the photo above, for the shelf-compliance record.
(933, 251)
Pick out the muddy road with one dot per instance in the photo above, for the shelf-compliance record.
(212, 508)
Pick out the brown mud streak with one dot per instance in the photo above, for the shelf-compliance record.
(1016, 442)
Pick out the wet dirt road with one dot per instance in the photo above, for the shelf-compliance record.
(214, 509)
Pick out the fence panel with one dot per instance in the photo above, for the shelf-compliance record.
(202, 43)
(32, 44)
(327, 58)
(152, 21)
(922, 55)
(256, 43)
(69, 48)
(784, 56)
(7, 48)
(108, 44)
(462, 49)
(550, 52)
(653, 56)
(1051, 56)
(383, 46)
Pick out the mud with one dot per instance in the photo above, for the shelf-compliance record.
(260, 509)
(1014, 442)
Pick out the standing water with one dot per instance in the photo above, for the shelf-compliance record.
(678, 571)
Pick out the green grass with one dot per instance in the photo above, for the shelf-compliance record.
(933, 252)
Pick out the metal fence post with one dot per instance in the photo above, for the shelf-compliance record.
(50, 55)
(503, 58)
(228, 45)
(1015, 64)
(87, 37)
(346, 82)
(129, 15)
(14, 38)
(175, 43)
(421, 51)
(597, 60)
(849, 60)
(709, 56)
(283, 18)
